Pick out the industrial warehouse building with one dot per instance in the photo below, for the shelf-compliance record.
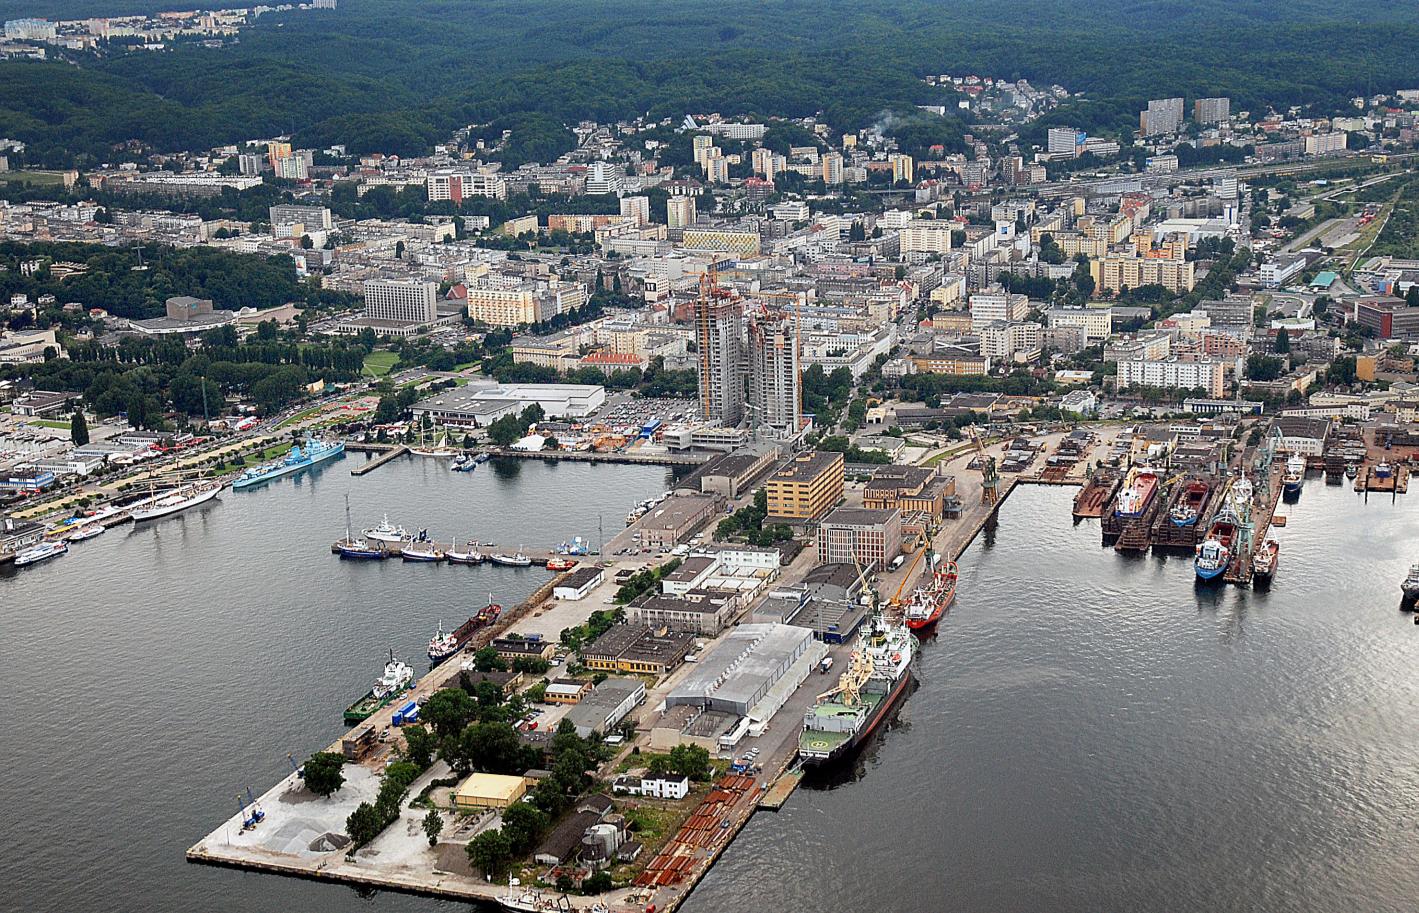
(749, 668)
(476, 405)
(482, 790)
(578, 582)
(610, 703)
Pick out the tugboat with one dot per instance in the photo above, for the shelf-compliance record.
(397, 678)
(1295, 476)
(1263, 563)
(42, 552)
(878, 674)
(1351, 471)
(928, 603)
(1189, 506)
(560, 563)
(384, 532)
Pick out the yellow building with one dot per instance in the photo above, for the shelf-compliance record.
(951, 364)
(1116, 271)
(725, 240)
(902, 167)
(807, 488)
(482, 790)
(1365, 367)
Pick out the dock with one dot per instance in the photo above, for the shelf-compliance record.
(594, 456)
(539, 557)
(390, 454)
(777, 794)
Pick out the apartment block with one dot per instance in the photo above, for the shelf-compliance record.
(1173, 374)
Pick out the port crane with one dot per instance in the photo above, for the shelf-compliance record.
(989, 477)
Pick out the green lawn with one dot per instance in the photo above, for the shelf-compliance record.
(48, 423)
(380, 363)
(37, 178)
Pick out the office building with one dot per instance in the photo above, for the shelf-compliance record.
(680, 211)
(1164, 116)
(1212, 110)
(402, 300)
(860, 536)
(1064, 141)
(773, 375)
(807, 487)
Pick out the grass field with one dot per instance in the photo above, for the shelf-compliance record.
(48, 423)
(380, 363)
(36, 178)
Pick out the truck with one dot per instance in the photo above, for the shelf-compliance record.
(825, 665)
(897, 561)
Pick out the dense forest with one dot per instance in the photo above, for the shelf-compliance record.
(396, 76)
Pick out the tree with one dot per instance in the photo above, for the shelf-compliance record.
(1411, 297)
(503, 431)
(323, 773)
(598, 883)
(448, 711)
(79, 428)
(690, 761)
(1283, 342)
(489, 853)
(433, 826)
(486, 659)
(419, 746)
(364, 824)
(523, 824)
(307, 243)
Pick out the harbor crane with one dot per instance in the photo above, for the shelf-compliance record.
(989, 477)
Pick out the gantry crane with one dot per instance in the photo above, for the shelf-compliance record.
(989, 477)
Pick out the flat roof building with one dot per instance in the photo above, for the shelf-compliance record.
(860, 535)
(606, 706)
(638, 649)
(738, 672)
(482, 790)
(807, 487)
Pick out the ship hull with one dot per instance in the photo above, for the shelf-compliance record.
(369, 705)
(852, 746)
(157, 513)
(291, 469)
(361, 554)
(1292, 488)
(1206, 574)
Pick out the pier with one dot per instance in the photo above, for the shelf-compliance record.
(390, 454)
(539, 557)
(593, 456)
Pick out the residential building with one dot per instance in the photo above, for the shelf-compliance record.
(1097, 323)
(680, 211)
(1018, 341)
(637, 208)
(832, 165)
(1118, 271)
(902, 167)
(1212, 110)
(1173, 373)
(510, 301)
(457, 186)
(309, 218)
(1163, 116)
(997, 307)
(1326, 143)
(773, 358)
(862, 536)
(928, 236)
(719, 337)
(806, 487)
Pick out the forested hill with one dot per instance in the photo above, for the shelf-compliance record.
(396, 76)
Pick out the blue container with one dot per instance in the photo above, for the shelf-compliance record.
(409, 713)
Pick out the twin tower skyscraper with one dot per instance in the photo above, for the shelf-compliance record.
(749, 366)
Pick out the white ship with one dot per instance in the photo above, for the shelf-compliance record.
(177, 500)
(385, 532)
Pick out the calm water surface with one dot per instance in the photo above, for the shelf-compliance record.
(1091, 733)
(157, 670)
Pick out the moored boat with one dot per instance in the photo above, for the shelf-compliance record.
(878, 674)
(87, 531)
(42, 552)
(358, 549)
(299, 458)
(515, 560)
(442, 645)
(1137, 494)
(1214, 553)
(468, 555)
(177, 500)
(422, 550)
(1295, 475)
(1383, 469)
(397, 679)
(560, 563)
(1189, 505)
(1263, 563)
(929, 602)
(386, 532)
(1410, 585)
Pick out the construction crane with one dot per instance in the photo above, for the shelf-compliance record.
(989, 477)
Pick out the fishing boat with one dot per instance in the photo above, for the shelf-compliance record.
(1383, 470)
(929, 602)
(1410, 585)
(464, 463)
(520, 899)
(1295, 475)
(469, 555)
(314, 453)
(1351, 471)
(490, 612)
(177, 500)
(560, 563)
(421, 550)
(514, 560)
(385, 532)
(1189, 504)
(1136, 494)
(42, 552)
(1214, 553)
(87, 531)
(397, 678)
(878, 674)
(1263, 563)
(358, 549)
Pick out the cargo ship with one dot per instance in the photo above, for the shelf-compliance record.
(314, 452)
(929, 602)
(1214, 554)
(1263, 563)
(1295, 475)
(1189, 505)
(878, 675)
(397, 679)
(1137, 494)
(448, 643)
(177, 500)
